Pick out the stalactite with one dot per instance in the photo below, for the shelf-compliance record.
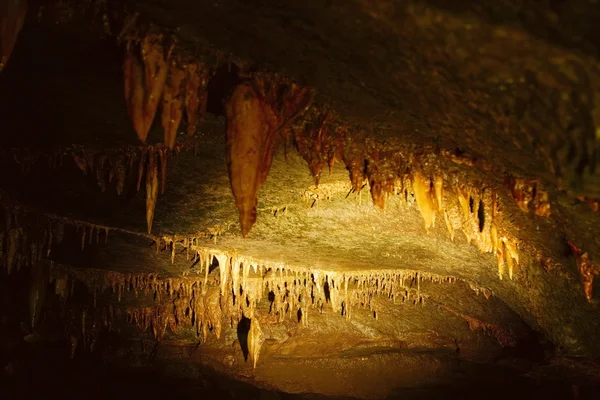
(224, 267)
(98, 167)
(117, 172)
(313, 141)
(145, 79)
(422, 188)
(206, 302)
(505, 338)
(196, 97)
(162, 156)
(510, 255)
(247, 138)
(587, 271)
(254, 125)
(172, 103)
(151, 187)
(438, 185)
(134, 89)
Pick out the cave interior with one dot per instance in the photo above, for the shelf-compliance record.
(283, 200)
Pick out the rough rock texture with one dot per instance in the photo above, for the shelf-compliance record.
(430, 208)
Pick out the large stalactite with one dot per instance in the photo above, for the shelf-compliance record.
(257, 114)
(146, 68)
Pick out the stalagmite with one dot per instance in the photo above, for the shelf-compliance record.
(256, 339)
(151, 188)
(172, 104)
(179, 300)
(12, 17)
(422, 188)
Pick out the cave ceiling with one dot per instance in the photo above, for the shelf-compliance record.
(353, 142)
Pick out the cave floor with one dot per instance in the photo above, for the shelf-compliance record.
(179, 369)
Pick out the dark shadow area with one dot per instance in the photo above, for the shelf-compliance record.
(243, 327)
(576, 27)
(220, 87)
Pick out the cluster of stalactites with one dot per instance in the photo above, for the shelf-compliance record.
(310, 136)
(25, 243)
(320, 140)
(504, 337)
(475, 213)
(116, 166)
(206, 301)
(152, 164)
(156, 72)
(480, 214)
(258, 112)
(587, 271)
(529, 191)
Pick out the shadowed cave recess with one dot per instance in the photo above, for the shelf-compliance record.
(300, 200)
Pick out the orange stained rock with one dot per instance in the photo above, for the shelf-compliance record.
(313, 142)
(449, 225)
(250, 145)
(257, 113)
(463, 200)
(145, 80)
(587, 271)
(522, 191)
(378, 195)
(541, 203)
(162, 156)
(12, 17)
(151, 188)
(500, 260)
(256, 338)
(196, 75)
(438, 184)
(510, 254)
(172, 105)
(422, 189)
(156, 68)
